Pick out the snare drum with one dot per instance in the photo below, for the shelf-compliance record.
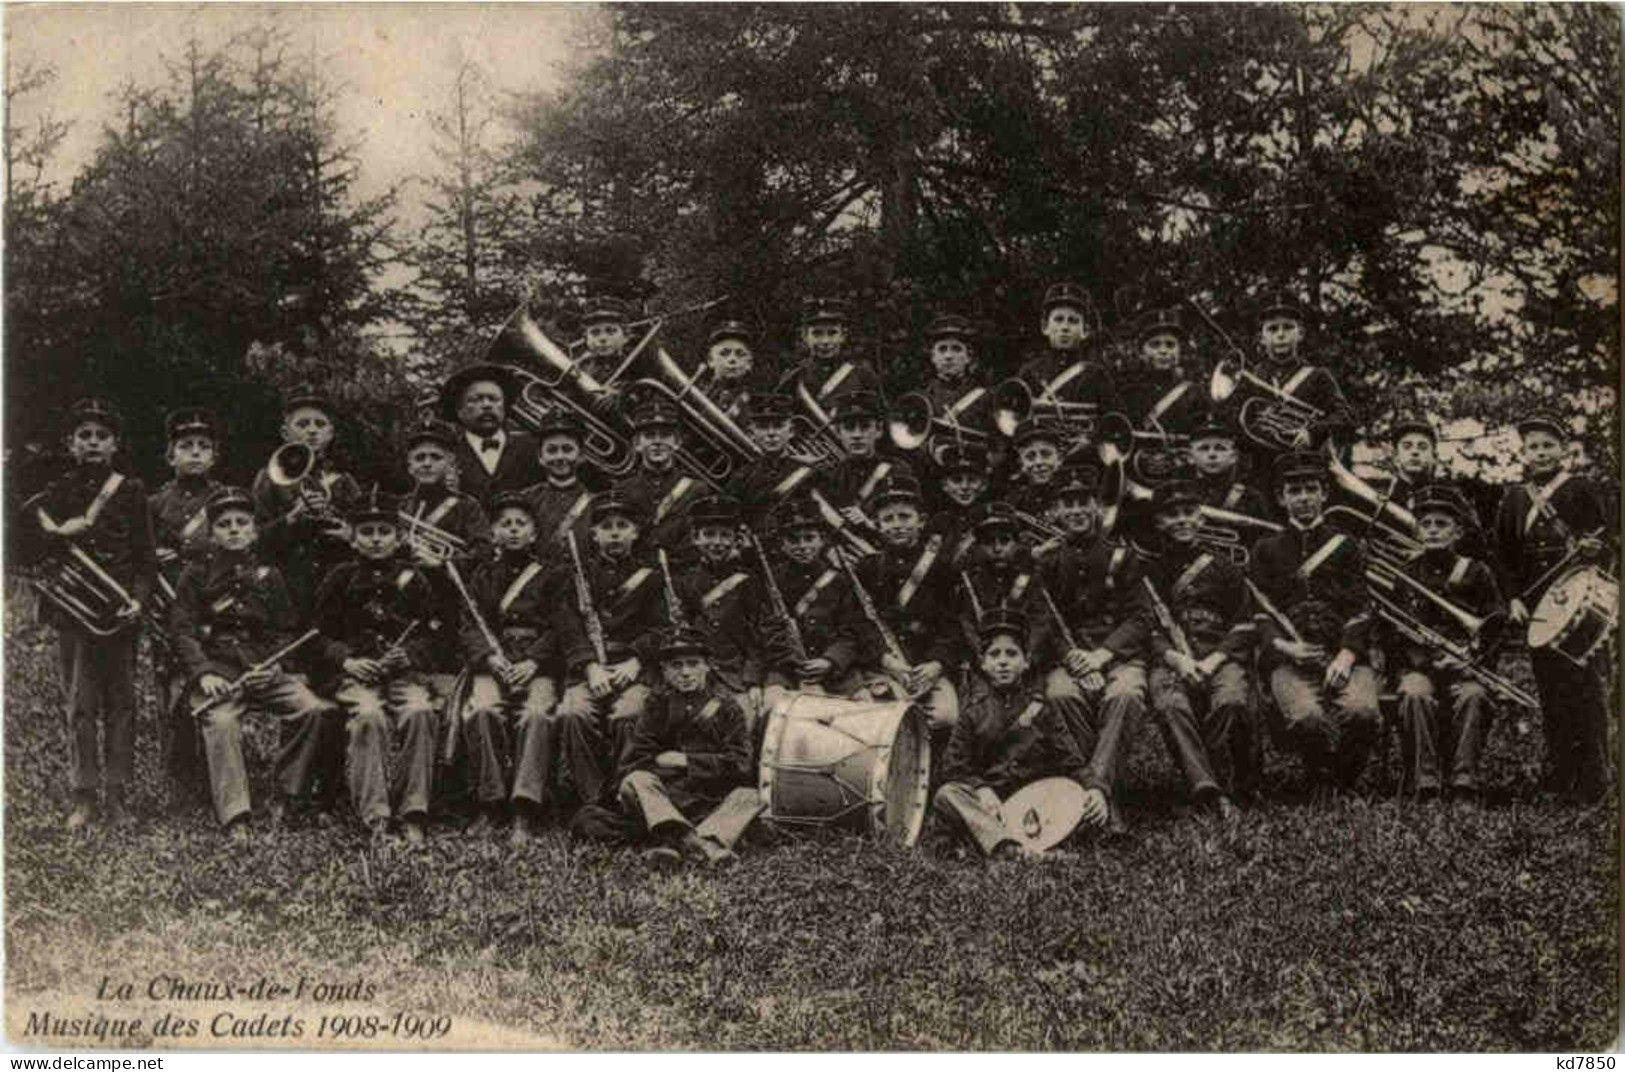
(834, 762)
(1576, 615)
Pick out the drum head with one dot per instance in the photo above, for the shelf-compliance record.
(1044, 814)
(906, 789)
(1558, 612)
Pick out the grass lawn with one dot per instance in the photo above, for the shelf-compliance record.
(1365, 924)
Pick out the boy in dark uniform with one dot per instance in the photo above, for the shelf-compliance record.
(1282, 327)
(1074, 508)
(101, 513)
(432, 505)
(1552, 514)
(1072, 367)
(1038, 450)
(1314, 576)
(180, 529)
(962, 495)
(775, 477)
(506, 722)
(301, 526)
(850, 483)
(1008, 736)
(721, 595)
(608, 688)
(604, 329)
(997, 574)
(231, 613)
(659, 488)
(373, 655)
(1158, 393)
(817, 655)
(1199, 685)
(1444, 715)
(561, 499)
(954, 390)
(913, 592)
(488, 457)
(826, 367)
(731, 376)
(1219, 481)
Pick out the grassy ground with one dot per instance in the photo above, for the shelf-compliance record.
(1364, 924)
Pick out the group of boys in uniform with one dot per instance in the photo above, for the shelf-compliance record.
(538, 641)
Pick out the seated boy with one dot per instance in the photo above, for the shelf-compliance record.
(687, 760)
(231, 612)
(1008, 736)
(374, 653)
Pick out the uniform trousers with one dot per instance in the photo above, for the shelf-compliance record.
(591, 734)
(98, 681)
(1207, 727)
(1104, 721)
(1444, 719)
(963, 810)
(1331, 731)
(309, 731)
(1574, 710)
(644, 798)
(389, 761)
(495, 723)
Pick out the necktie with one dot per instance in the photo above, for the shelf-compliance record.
(488, 445)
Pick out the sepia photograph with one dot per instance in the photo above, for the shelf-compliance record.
(811, 527)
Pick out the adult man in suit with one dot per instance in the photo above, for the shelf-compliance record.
(490, 458)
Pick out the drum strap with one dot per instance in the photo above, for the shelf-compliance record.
(965, 402)
(810, 596)
(1232, 498)
(721, 589)
(194, 522)
(1540, 499)
(790, 482)
(573, 515)
(836, 378)
(709, 710)
(1018, 588)
(1029, 715)
(1183, 582)
(1113, 564)
(1318, 559)
(1458, 572)
(961, 547)
(1070, 373)
(109, 487)
(678, 490)
(438, 514)
(880, 473)
(630, 585)
(525, 576)
(1167, 401)
(1296, 380)
(933, 547)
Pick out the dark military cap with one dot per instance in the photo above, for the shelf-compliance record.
(857, 404)
(896, 489)
(1546, 422)
(305, 395)
(1176, 493)
(714, 510)
(613, 503)
(1001, 621)
(99, 410)
(949, 325)
(1282, 303)
(458, 383)
(556, 422)
(1032, 429)
(179, 423)
(375, 507)
(228, 499)
(1404, 426)
(1076, 480)
(432, 431)
(768, 407)
(824, 311)
(800, 513)
(996, 517)
(603, 309)
(1214, 426)
(512, 500)
(1299, 465)
(963, 458)
(730, 329)
(1159, 322)
(1435, 497)
(682, 640)
(654, 414)
(1069, 294)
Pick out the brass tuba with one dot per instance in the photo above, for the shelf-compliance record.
(714, 446)
(83, 590)
(1269, 416)
(1389, 528)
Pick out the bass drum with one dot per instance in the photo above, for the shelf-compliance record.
(1576, 615)
(834, 762)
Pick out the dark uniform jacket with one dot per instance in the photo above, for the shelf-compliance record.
(853, 481)
(1328, 604)
(1011, 585)
(299, 547)
(1093, 383)
(762, 485)
(920, 613)
(519, 599)
(708, 727)
(180, 527)
(1466, 582)
(231, 610)
(1529, 541)
(957, 526)
(517, 467)
(828, 381)
(665, 499)
(457, 513)
(1317, 387)
(120, 540)
(1165, 401)
(1237, 496)
(365, 605)
(560, 508)
(819, 597)
(1207, 599)
(630, 604)
(725, 601)
(1096, 588)
(733, 396)
(991, 746)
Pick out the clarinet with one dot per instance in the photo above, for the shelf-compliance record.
(775, 597)
(589, 613)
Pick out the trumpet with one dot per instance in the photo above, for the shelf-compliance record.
(83, 590)
(1385, 580)
(1119, 438)
(914, 424)
(1270, 417)
(430, 539)
(1228, 533)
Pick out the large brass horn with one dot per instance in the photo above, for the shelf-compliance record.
(1269, 416)
(1229, 533)
(290, 464)
(914, 422)
(83, 589)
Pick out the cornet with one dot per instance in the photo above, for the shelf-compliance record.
(914, 424)
(1015, 402)
(430, 539)
(293, 465)
(1270, 417)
